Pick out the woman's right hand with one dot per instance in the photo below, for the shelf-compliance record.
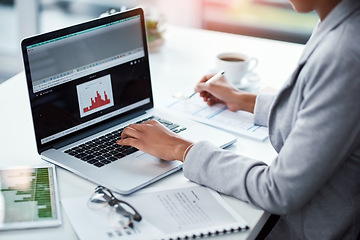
(222, 91)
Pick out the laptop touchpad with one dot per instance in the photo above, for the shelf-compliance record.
(151, 159)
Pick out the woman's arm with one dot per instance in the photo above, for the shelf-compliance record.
(323, 137)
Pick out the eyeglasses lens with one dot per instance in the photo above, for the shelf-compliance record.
(119, 218)
(98, 200)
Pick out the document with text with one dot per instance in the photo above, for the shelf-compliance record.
(179, 213)
(219, 116)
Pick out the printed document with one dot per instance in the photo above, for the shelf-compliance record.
(219, 116)
(166, 214)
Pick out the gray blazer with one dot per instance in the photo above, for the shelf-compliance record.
(314, 125)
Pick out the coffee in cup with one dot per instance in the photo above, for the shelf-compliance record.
(235, 65)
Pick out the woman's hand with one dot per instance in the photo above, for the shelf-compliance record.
(155, 139)
(222, 91)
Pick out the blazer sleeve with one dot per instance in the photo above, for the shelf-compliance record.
(262, 108)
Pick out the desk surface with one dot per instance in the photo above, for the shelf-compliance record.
(186, 55)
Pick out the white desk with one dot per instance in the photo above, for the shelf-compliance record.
(185, 57)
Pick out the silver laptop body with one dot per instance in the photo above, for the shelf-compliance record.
(86, 82)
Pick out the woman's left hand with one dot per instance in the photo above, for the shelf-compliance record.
(155, 139)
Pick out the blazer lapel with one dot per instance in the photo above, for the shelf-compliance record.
(336, 17)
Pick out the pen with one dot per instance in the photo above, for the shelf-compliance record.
(213, 78)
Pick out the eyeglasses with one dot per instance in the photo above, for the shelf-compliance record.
(121, 215)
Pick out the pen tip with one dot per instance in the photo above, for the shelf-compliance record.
(192, 95)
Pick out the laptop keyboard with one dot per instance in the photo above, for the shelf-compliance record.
(104, 149)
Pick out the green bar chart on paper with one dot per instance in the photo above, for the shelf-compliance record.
(27, 194)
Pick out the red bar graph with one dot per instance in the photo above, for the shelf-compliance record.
(97, 102)
(95, 95)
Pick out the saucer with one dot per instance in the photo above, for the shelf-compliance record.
(248, 81)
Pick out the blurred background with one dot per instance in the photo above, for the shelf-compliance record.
(274, 19)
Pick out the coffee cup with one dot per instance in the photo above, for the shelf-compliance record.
(235, 65)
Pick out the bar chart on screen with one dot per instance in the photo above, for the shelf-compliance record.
(95, 95)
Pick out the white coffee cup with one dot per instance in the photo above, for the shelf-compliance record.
(235, 65)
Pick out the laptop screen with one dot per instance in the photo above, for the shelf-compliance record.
(86, 74)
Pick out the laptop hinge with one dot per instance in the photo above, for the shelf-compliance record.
(97, 129)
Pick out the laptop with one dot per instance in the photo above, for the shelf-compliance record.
(88, 81)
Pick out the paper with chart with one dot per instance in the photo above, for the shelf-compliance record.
(219, 116)
(166, 214)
